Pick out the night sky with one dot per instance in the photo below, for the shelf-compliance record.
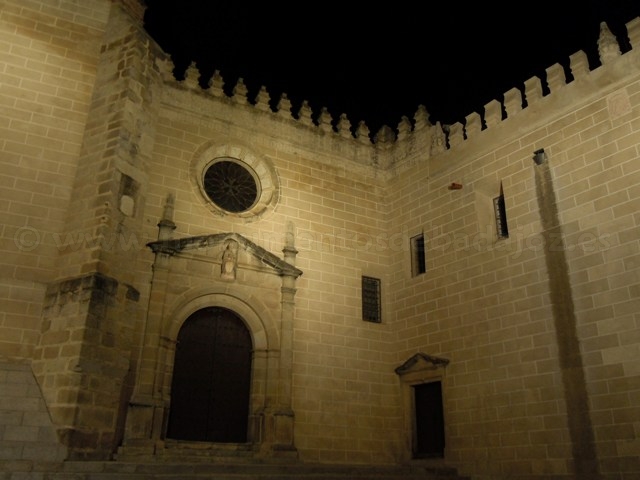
(380, 64)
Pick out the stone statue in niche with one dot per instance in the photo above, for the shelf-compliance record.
(228, 267)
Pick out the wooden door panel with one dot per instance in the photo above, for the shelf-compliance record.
(429, 420)
(211, 380)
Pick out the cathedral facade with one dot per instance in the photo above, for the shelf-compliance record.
(188, 272)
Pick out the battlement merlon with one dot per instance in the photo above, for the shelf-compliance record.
(396, 142)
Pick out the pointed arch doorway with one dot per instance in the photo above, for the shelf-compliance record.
(211, 382)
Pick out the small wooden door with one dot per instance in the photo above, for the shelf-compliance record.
(211, 378)
(429, 421)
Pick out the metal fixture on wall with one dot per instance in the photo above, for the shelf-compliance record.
(539, 156)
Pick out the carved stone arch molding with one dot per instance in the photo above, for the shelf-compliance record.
(264, 334)
(263, 328)
(176, 293)
(257, 171)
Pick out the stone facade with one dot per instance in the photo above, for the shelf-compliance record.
(110, 242)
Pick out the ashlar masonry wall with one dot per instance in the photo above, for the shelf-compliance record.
(533, 336)
(343, 387)
(50, 58)
(71, 304)
(541, 327)
(508, 314)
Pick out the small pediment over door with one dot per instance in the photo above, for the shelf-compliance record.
(421, 363)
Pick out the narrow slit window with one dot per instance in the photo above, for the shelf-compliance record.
(418, 255)
(501, 215)
(371, 311)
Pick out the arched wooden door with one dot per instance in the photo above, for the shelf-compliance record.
(211, 378)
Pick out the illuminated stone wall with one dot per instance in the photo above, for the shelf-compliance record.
(110, 242)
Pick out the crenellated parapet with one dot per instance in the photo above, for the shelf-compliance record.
(282, 108)
(517, 100)
(401, 141)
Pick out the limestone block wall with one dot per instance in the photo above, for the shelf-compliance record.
(26, 431)
(83, 354)
(58, 198)
(50, 57)
(344, 396)
(541, 327)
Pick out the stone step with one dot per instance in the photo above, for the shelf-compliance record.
(177, 451)
(118, 470)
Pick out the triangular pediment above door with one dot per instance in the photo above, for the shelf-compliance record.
(420, 362)
(216, 240)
